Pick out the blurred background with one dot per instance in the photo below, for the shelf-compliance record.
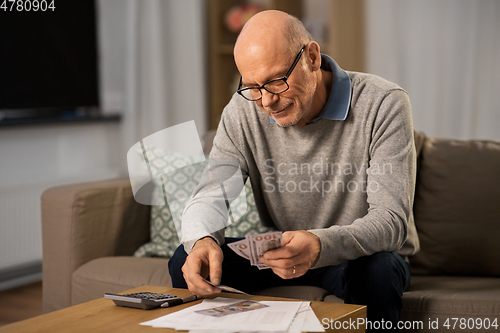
(80, 84)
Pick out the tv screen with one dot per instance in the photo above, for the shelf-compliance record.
(48, 59)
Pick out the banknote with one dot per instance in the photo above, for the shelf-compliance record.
(265, 242)
(242, 306)
(226, 288)
(261, 243)
(241, 248)
(254, 246)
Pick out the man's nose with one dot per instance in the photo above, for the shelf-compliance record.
(268, 98)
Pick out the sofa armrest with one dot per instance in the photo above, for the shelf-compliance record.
(81, 222)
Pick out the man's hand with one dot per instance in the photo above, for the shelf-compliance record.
(204, 260)
(299, 251)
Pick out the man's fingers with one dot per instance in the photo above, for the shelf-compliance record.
(291, 272)
(198, 285)
(288, 249)
(192, 275)
(281, 263)
(283, 252)
(295, 257)
(286, 237)
(215, 261)
(205, 259)
(203, 287)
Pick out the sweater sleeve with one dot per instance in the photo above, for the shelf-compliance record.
(206, 213)
(390, 188)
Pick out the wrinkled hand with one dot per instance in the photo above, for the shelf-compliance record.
(204, 260)
(299, 251)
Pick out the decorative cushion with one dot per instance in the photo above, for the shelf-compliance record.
(182, 176)
(456, 208)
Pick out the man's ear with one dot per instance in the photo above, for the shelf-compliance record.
(314, 54)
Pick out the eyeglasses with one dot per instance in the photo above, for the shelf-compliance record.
(276, 86)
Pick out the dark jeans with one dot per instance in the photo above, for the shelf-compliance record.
(377, 281)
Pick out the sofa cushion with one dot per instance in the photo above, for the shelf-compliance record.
(446, 297)
(419, 138)
(456, 208)
(333, 299)
(310, 293)
(116, 274)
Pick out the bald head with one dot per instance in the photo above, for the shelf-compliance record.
(273, 33)
(264, 54)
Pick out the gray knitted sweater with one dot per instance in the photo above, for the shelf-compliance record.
(350, 182)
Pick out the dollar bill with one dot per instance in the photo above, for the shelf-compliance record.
(261, 243)
(254, 246)
(238, 307)
(226, 288)
(241, 248)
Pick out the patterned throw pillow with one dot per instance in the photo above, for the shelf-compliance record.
(183, 176)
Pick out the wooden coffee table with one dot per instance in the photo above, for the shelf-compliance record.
(102, 315)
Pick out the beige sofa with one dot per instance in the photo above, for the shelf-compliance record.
(91, 230)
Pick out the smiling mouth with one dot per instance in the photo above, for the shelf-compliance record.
(277, 113)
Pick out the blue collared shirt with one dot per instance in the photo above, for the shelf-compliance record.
(337, 105)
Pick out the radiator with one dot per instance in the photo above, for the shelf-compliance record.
(20, 221)
(20, 227)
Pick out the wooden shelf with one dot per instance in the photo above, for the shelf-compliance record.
(50, 120)
(225, 49)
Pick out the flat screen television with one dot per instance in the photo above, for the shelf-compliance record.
(48, 61)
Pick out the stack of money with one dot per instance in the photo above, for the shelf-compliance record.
(254, 246)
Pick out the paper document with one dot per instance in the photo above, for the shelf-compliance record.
(265, 316)
(305, 321)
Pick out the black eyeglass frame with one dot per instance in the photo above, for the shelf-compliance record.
(284, 79)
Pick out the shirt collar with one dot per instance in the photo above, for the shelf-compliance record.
(337, 105)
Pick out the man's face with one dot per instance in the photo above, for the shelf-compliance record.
(292, 106)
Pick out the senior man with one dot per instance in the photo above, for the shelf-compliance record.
(331, 160)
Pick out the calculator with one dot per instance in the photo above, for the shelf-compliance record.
(144, 300)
